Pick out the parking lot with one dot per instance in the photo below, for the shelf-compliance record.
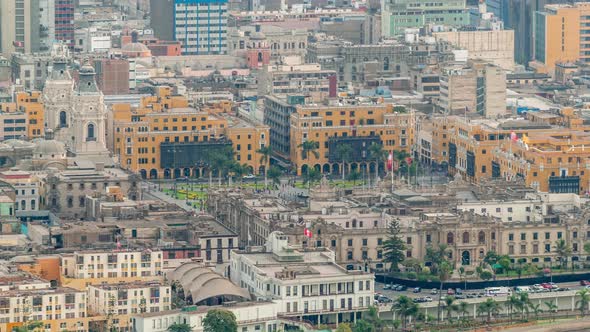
(384, 294)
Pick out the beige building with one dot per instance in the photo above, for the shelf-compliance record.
(82, 269)
(19, 28)
(121, 300)
(494, 46)
(475, 87)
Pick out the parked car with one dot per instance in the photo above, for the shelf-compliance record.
(553, 285)
(417, 290)
(249, 176)
(450, 291)
(460, 297)
(434, 291)
(428, 299)
(401, 288)
(458, 291)
(386, 287)
(584, 283)
(546, 285)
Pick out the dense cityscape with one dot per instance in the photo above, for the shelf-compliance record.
(294, 165)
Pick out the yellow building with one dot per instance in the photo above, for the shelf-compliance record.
(562, 34)
(165, 138)
(24, 117)
(548, 161)
(358, 125)
(467, 144)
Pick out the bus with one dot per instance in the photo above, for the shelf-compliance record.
(498, 291)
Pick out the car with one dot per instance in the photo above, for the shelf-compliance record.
(386, 287)
(401, 288)
(450, 291)
(471, 296)
(458, 291)
(249, 176)
(417, 290)
(546, 285)
(434, 291)
(428, 299)
(587, 287)
(385, 299)
(553, 285)
(584, 283)
(460, 297)
(394, 286)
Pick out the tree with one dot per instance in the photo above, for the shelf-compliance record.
(485, 275)
(394, 246)
(343, 152)
(405, 308)
(401, 157)
(372, 317)
(343, 327)
(265, 153)
(179, 327)
(240, 170)
(450, 306)
(354, 176)
(312, 175)
(308, 147)
(512, 303)
(377, 154)
(221, 160)
(219, 320)
(563, 252)
(436, 255)
(551, 308)
(504, 261)
(491, 258)
(583, 301)
(490, 307)
(523, 304)
(444, 272)
(587, 248)
(274, 173)
(536, 308)
(462, 309)
(362, 325)
(29, 326)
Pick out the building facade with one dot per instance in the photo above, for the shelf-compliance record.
(19, 29)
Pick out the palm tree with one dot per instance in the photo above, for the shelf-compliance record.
(405, 307)
(274, 173)
(536, 308)
(552, 308)
(523, 304)
(490, 307)
(311, 176)
(444, 272)
(308, 147)
(240, 170)
(583, 301)
(462, 309)
(450, 306)
(343, 152)
(377, 154)
(372, 316)
(511, 304)
(401, 157)
(563, 252)
(265, 153)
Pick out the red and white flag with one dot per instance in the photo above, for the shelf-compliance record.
(307, 232)
(390, 161)
(513, 136)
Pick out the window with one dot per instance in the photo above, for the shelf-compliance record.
(350, 242)
(408, 240)
(535, 236)
(547, 236)
(466, 237)
(365, 242)
(450, 238)
(510, 237)
(547, 248)
(523, 236)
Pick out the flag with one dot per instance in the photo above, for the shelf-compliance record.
(390, 161)
(513, 136)
(18, 43)
(409, 160)
(307, 232)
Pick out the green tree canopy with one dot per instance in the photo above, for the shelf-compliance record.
(179, 327)
(218, 320)
(394, 246)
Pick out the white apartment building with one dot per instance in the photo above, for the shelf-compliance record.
(26, 187)
(250, 316)
(94, 267)
(58, 309)
(201, 26)
(304, 284)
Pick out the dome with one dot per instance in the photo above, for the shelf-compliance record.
(17, 143)
(257, 35)
(5, 147)
(136, 49)
(87, 69)
(53, 148)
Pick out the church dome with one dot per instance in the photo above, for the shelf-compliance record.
(18, 144)
(257, 35)
(47, 149)
(136, 50)
(87, 69)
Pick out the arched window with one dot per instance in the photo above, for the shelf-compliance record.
(259, 56)
(450, 238)
(481, 237)
(63, 121)
(466, 237)
(33, 204)
(386, 63)
(90, 133)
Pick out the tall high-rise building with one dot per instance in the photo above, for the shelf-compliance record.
(19, 26)
(562, 34)
(200, 25)
(398, 15)
(64, 21)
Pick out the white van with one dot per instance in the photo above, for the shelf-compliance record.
(498, 291)
(523, 289)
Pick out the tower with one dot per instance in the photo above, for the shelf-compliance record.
(88, 116)
(57, 97)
